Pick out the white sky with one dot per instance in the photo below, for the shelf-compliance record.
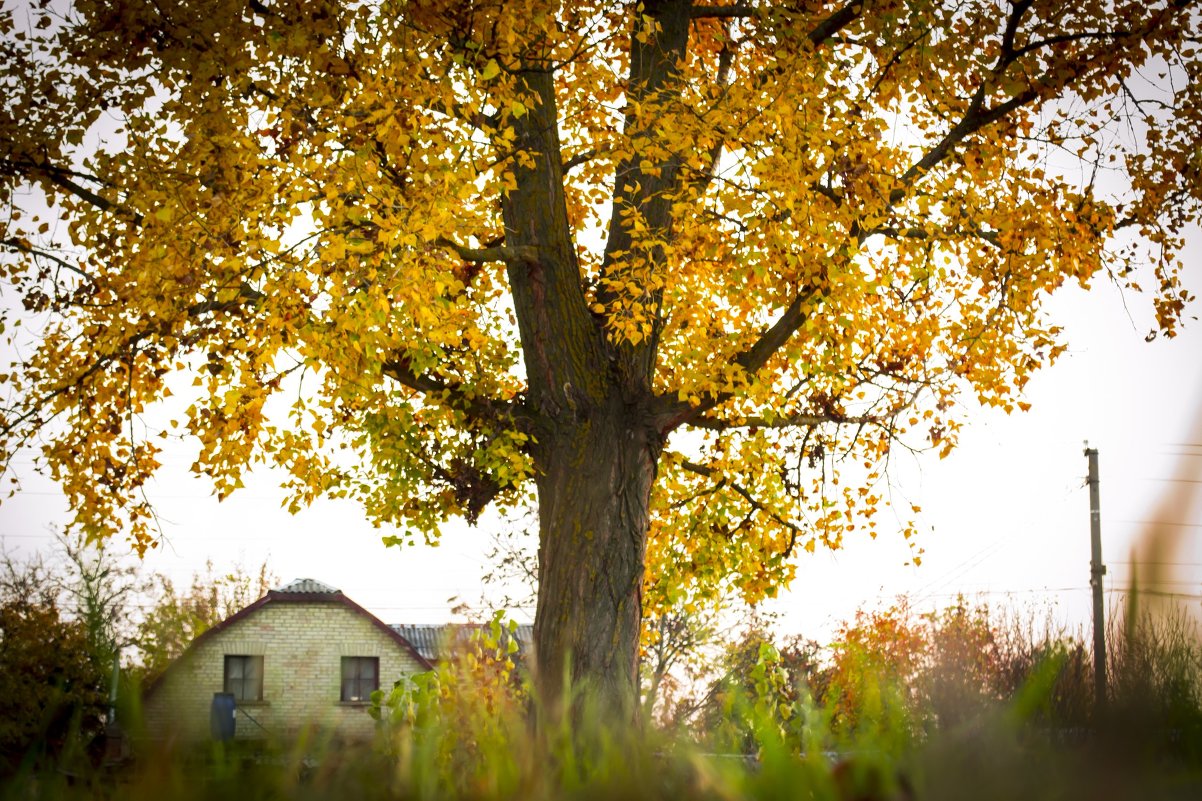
(1005, 516)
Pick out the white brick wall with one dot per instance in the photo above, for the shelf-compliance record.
(302, 645)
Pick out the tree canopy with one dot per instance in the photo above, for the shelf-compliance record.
(666, 266)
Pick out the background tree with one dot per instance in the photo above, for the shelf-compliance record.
(52, 685)
(732, 680)
(663, 265)
(99, 590)
(174, 618)
(511, 581)
(676, 640)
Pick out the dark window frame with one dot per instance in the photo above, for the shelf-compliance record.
(357, 684)
(243, 677)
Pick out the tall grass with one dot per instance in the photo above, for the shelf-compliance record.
(955, 704)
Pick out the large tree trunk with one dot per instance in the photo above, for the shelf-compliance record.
(594, 489)
(596, 445)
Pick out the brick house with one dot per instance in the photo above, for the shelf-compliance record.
(303, 655)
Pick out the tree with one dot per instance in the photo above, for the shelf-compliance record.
(97, 590)
(754, 678)
(662, 267)
(52, 685)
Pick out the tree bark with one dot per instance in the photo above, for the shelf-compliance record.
(594, 492)
(590, 399)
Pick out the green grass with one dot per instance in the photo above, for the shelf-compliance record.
(470, 731)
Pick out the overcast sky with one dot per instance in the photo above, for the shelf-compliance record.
(1005, 517)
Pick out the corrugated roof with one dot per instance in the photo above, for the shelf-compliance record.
(435, 641)
(308, 585)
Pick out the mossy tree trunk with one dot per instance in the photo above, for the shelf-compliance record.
(591, 401)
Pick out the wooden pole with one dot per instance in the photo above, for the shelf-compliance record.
(1096, 571)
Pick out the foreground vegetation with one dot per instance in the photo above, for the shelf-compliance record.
(952, 704)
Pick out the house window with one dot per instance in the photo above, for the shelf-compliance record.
(244, 677)
(360, 677)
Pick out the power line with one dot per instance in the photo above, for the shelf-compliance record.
(970, 593)
(1155, 593)
(1159, 582)
(1174, 480)
(1153, 562)
(935, 586)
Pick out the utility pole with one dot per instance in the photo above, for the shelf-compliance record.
(1096, 571)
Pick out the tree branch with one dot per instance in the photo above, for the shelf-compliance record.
(977, 116)
(583, 157)
(1069, 37)
(791, 421)
(482, 409)
(1017, 10)
(914, 232)
(653, 81)
(755, 357)
(742, 492)
(674, 413)
(65, 179)
(247, 295)
(836, 22)
(509, 255)
(722, 12)
(25, 247)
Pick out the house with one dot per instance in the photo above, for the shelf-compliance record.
(303, 655)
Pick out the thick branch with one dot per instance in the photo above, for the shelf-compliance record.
(721, 12)
(977, 116)
(561, 343)
(1052, 41)
(775, 337)
(674, 413)
(1017, 10)
(247, 296)
(583, 157)
(654, 79)
(894, 232)
(836, 22)
(522, 254)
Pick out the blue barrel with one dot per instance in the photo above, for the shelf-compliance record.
(223, 716)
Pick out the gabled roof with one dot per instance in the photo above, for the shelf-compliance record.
(302, 590)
